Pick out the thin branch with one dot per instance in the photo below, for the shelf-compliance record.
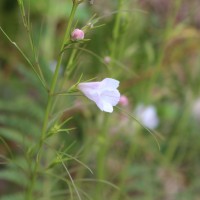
(148, 130)
(75, 188)
(25, 57)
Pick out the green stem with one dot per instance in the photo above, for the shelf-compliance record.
(116, 30)
(101, 156)
(25, 57)
(123, 175)
(55, 77)
(49, 103)
(68, 67)
(27, 26)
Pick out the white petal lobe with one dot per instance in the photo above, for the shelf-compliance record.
(111, 96)
(107, 107)
(110, 83)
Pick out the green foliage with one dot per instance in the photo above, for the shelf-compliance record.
(20, 126)
(73, 150)
(14, 177)
(12, 197)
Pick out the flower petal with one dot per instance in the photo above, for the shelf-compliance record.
(110, 96)
(110, 83)
(107, 107)
(104, 106)
(88, 91)
(91, 85)
(100, 104)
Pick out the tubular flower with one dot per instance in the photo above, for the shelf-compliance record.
(104, 93)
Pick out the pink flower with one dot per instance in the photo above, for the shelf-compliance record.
(104, 93)
(123, 101)
(77, 34)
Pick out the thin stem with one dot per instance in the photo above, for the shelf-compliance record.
(152, 132)
(55, 77)
(25, 57)
(35, 56)
(101, 156)
(123, 175)
(116, 30)
(49, 103)
(68, 66)
(27, 26)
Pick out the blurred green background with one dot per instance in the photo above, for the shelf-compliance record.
(155, 56)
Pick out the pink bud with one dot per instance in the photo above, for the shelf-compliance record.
(77, 34)
(123, 101)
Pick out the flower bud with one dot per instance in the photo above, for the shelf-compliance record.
(77, 34)
(107, 59)
(123, 101)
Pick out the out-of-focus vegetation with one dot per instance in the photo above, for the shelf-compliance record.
(152, 47)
